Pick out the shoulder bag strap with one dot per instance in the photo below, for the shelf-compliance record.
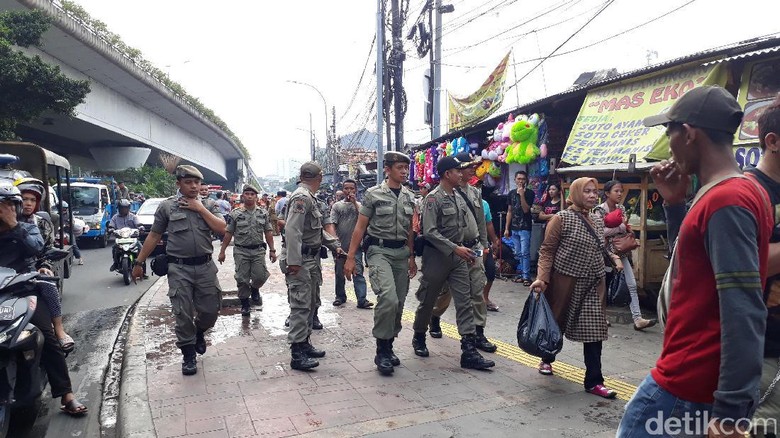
(468, 203)
(598, 241)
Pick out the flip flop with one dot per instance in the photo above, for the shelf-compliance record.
(67, 344)
(74, 408)
(492, 307)
(517, 280)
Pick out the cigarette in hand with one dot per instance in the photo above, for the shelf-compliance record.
(672, 171)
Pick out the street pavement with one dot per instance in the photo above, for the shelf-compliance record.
(95, 303)
(245, 387)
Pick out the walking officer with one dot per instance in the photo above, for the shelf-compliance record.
(386, 220)
(477, 240)
(300, 262)
(192, 276)
(447, 222)
(248, 224)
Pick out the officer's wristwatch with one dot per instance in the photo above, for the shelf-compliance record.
(138, 263)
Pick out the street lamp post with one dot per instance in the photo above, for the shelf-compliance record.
(324, 103)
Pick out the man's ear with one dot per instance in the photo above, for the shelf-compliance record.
(772, 142)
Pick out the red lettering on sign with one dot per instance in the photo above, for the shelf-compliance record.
(671, 92)
(655, 97)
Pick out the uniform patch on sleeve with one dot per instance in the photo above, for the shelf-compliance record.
(430, 204)
(299, 206)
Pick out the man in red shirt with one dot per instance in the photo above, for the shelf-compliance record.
(706, 380)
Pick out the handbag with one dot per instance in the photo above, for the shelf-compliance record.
(618, 293)
(625, 244)
(537, 332)
(159, 265)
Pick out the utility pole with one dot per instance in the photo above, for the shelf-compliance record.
(438, 10)
(397, 57)
(380, 44)
(311, 140)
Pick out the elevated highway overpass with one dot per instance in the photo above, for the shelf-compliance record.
(126, 110)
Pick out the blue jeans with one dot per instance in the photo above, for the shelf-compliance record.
(358, 279)
(654, 412)
(522, 246)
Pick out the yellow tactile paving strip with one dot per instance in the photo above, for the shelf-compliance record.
(514, 353)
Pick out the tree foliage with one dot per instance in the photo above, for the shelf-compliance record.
(29, 86)
(152, 181)
(135, 55)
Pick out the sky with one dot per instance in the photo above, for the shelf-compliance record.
(238, 57)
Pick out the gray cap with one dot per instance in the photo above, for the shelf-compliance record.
(310, 170)
(709, 107)
(249, 188)
(187, 171)
(395, 157)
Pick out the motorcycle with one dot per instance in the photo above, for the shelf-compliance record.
(126, 249)
(22, 376)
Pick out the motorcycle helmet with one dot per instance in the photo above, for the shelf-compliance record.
(30, 184)
(124, 203)
(9, 192)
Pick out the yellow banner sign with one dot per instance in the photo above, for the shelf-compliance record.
(609, 127)
(482, 103)
(759, 87)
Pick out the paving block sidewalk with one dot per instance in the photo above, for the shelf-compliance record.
(245, 387)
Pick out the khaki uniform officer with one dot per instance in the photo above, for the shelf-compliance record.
(386, 220)
(446, 220)
(300, 262)
(192, 276)
(476, 239)
(248, 225)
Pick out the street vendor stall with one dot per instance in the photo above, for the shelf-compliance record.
(644, 207)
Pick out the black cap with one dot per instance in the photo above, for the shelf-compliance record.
(467, 160)
(710, 107)
(447, 163)
(395, 157)
(281, 193)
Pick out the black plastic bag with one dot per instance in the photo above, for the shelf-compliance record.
(537, 332)
(618, 294)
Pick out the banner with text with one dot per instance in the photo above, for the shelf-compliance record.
(482, 103)
(609, 126)
(759, 87)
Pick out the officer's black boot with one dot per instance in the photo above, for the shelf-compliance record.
(435, 329)
(311, 351)
(470, 357)
(189, 365)
(418, 343)
(483, 343)
(200, 342)
(245, 308)
(316, 324)
(382, 360)
(393, 358)
(300, 361)
(256, 298)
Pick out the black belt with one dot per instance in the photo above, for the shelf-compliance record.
(470, 243)
(190, 261)
(259, 245)
(428, 243)
(310, 251)
(394, 244)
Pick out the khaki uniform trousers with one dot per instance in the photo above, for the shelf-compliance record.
(437, 270)
(388, 273)
(196, 299)
(478, 280)
(303, 292)
(251, 270)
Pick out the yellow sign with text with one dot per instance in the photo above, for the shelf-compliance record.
(483, 102)
(609, 127)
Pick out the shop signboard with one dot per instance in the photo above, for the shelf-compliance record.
(609, 127)
(759, 87)
(485, 101)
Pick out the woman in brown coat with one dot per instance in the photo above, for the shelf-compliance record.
(571, 274)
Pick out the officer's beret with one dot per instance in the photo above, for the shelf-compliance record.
(310, 170)
(249, 188)
(447, 163)
(395, 157)
(187, 171)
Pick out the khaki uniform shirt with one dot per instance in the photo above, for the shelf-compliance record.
(474, 195)
(445, 220)
(248, 227)
(304, 226)
(188, 233)
(390, 216)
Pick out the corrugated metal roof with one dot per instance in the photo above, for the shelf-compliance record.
(741, 50)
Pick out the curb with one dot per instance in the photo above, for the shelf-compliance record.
(135, 413)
